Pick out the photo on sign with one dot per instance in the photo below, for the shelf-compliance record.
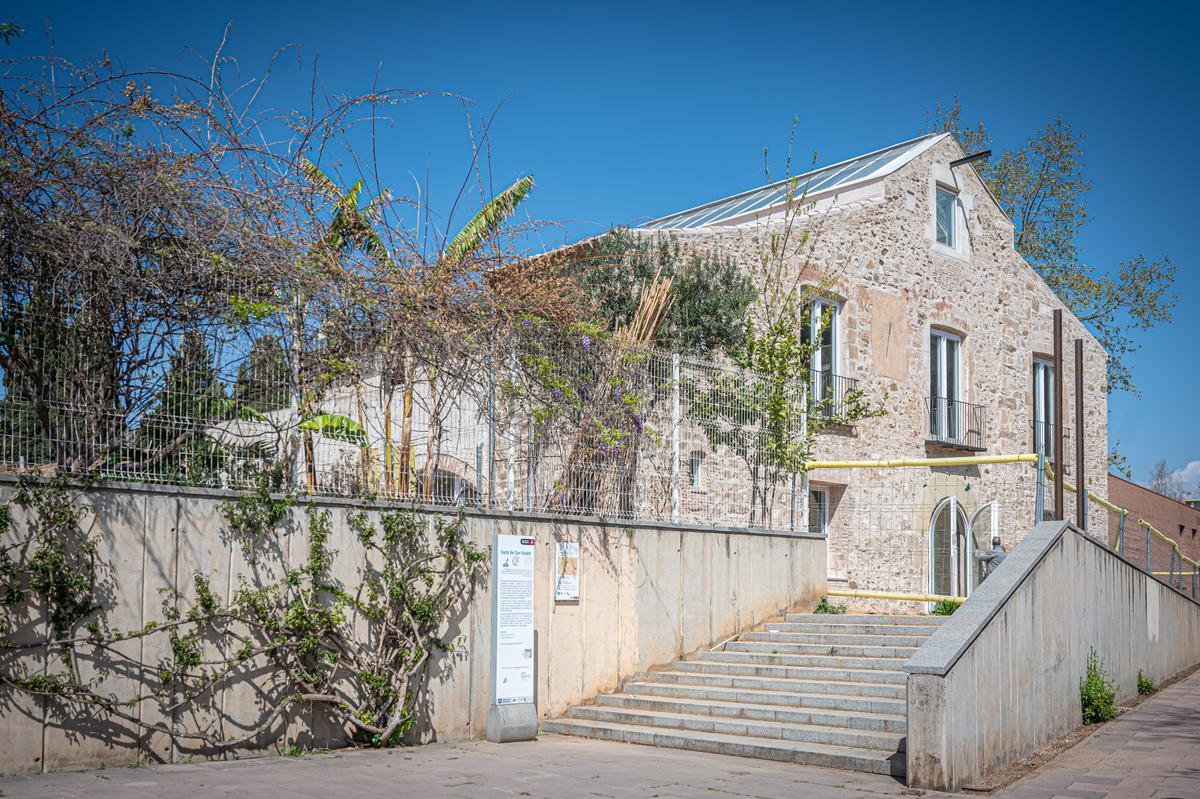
(566, 571)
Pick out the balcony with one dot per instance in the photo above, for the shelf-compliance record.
(955, 424)
(1043, 440)
(832, 395)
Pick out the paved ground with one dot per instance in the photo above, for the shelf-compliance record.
(1151, 752)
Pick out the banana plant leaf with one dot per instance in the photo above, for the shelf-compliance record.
(475, 232)
(336, 426)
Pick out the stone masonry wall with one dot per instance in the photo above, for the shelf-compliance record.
(894, 283)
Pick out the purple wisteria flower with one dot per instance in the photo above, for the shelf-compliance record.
(586, 343)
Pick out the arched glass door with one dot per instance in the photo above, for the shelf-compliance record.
(950, 551)
(985, 523)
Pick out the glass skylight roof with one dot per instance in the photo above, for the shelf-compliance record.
(807, 185)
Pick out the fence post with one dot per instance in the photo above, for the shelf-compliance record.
(1060, 468)
(1081, 494)
(675, 438)
(1121, 533)
(479, 475)
(792, 510)
(1147, 529)
(1171, 569)
(491, 433)
(1039, 501)
(953, 545)
(806, 512)
(512, 440)
(529, 449)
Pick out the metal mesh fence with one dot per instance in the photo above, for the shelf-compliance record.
(603, 432)
(917, 529)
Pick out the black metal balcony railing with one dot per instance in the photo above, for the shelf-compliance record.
(831, 394)
(955, 423)
(1043, 439)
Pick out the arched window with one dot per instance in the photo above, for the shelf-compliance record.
(950, 552)
(985, 523)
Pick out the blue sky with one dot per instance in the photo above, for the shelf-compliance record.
(624, 111)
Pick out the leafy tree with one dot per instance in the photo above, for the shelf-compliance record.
(33, 405)
(1165, 482)
(1042, 187)
(191, 399)
(263, 380)
(1118, 463)
(711, 293)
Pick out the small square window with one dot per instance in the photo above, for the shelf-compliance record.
(945, 216)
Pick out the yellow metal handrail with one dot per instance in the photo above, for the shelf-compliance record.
(1124, 512)
(1025, 457)
(855, 593)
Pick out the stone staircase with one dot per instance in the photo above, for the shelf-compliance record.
(822, 690)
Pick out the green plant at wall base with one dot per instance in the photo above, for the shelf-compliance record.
(354, 642)
(944, 607)
(1146, 686)
(824, 606)
(1096, 692)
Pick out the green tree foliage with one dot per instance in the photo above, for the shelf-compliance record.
(263, 380)
(1042, 187)
(769, 411)
(29, 415)
(359, 647)
(1118, 463)
(191, 399)
(712, 294)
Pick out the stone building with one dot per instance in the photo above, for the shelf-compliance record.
(931, 313)
(935, 314)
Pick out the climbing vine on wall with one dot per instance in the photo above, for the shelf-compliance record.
(352, 633)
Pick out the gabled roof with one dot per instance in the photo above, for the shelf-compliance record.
(823, 181)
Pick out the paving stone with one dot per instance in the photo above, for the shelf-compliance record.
(560, 767)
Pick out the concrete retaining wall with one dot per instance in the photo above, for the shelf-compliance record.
(648, 593)
(1000, 680)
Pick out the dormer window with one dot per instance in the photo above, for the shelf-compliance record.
(944, 217)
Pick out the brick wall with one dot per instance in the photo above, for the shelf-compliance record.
(1178, 521)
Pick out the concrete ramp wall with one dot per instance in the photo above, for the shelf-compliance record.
(1000, 679)
(648, 593)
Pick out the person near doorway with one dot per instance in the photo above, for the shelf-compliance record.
(992, 558)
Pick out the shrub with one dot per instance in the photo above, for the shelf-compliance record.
(1146, 686)
(1097, 692)
(945, 607)
(826, 607)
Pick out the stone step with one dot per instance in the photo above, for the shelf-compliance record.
(842, 618)
(750, 669)
(830, 650)
(808, 733)
(758, 712)
(839, 688)
(810, 754)
(680, 685)
(812, 627)
(767, 658)
(835, 639)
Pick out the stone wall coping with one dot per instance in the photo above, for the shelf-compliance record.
(497, 514)
(952, 639)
